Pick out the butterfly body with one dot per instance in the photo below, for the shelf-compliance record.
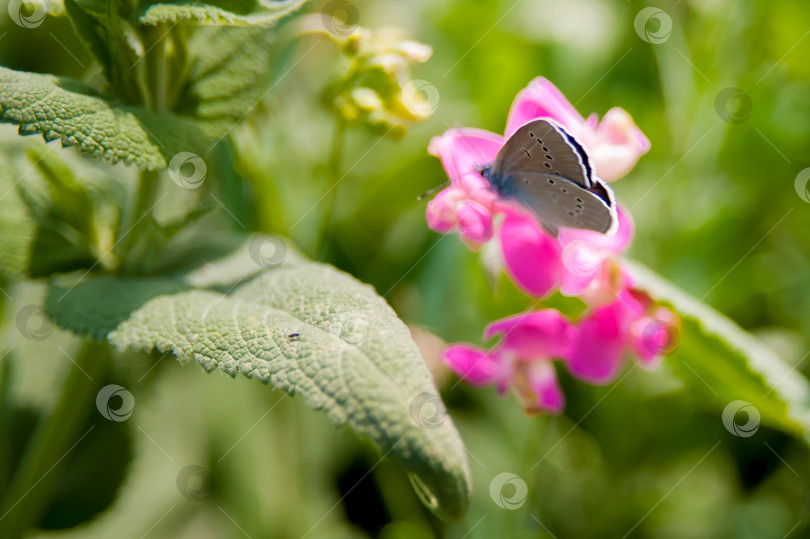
(547, 170)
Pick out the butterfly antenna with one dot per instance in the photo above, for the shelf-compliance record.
(431, 191)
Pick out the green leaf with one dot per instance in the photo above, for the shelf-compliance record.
(227, 74)
(34, 242)
(303, 327)
(730, 364)
(90, 32)
(17, 227)
(221, 12)
(66, 109)
(109, 38)
(70, 201)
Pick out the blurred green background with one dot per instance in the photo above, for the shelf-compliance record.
(716, 212)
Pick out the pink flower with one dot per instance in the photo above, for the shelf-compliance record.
(608, 332)
(532, 257)
(520, 359)
(614, 144)
(467, 203)
(578, 263)
(591, 269)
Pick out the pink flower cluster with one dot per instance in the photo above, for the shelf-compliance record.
(620, 319)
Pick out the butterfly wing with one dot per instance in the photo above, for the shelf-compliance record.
(557, 202)
(544, 146)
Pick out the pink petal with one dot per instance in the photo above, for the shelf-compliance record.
(461, 150)
(543, 383)
(606, 285)
(476, 366)
(531, 256)
(582, 262)
(475, 221)
(441, 212)
(653, 337)
(541, 99)
(477, 188)
(534, 335)
(617, 145)
(614, 243)
(597, 355)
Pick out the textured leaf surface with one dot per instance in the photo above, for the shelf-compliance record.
(732, 363)
(67, 110)
(222, 12)
(227, 74)
(304, 327)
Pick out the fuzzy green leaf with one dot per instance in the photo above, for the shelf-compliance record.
(220, 12)
(227, 73)
(720, 358)
(303, 327)
(67, 110)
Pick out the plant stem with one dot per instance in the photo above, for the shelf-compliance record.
(143, 205)
(337, 150)
(158, 68)
(55, 437)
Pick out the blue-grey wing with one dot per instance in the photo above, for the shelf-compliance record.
(544, 146)
(559, 202)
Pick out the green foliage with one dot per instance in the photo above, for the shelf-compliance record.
(227, 76)
(714, 204)
(66, 110)
(376, 89)
(740, 367)
(303, 327)
(229, 12)
(57, 215)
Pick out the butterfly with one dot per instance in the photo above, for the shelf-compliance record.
(546, 169)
